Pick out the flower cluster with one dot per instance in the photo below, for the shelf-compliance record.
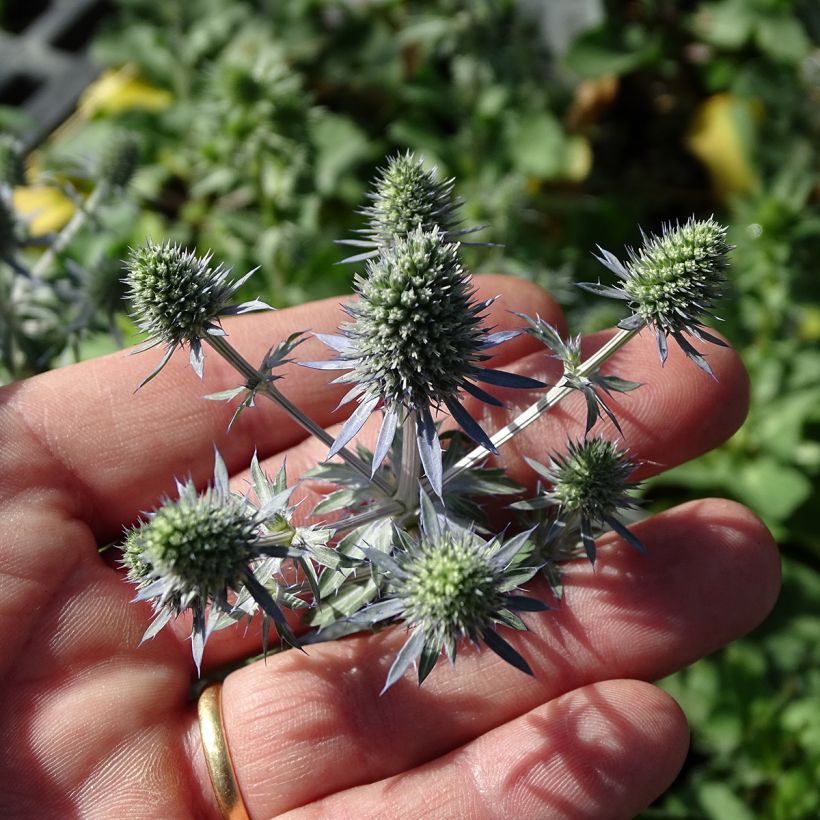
(383, 550)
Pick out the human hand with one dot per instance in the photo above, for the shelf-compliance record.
(94, 724)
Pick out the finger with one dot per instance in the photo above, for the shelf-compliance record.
(121, 450)
(605, 750)
(711, 575)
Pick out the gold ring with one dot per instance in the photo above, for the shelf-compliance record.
(217, 756)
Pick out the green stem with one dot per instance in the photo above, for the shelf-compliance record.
(81, 216)
(407, 492)
(543, 405)
(251, 375)
(391, 508)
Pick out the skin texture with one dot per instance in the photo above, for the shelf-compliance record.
(98, 726)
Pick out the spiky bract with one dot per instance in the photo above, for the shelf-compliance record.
(178, 298)
(589, 484)
(568, 352)
(672, 283)
(407, 196)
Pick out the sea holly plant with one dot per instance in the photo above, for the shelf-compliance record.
(399, 539)
(49, 303)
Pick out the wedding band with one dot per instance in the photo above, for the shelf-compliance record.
(217, 756)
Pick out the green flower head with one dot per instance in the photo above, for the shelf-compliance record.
(119, 158)
(414, 342)
(178, 299)
(672, 283)
(194, 550)
(406, 196)
(447, 585)
(588, 485)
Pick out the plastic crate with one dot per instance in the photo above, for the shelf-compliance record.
(43, 62)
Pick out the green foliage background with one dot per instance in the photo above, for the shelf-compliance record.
(567, 124)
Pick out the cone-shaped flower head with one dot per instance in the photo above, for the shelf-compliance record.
(405, 196)
(672, 283)
(12, 167)
(178, 298)
(448, 585)
(119, 158)
(414, 342)
(589, 484)
(194, 550)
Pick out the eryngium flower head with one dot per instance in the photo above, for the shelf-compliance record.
(12, 167)
(589, 484)
(672, 282)
(119, 159)
(178, 298)
(191, 552)
(415, 341)
(448, 585)
(406, 196)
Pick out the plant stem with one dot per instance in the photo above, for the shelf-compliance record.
(543, 405)
(366, 517)
(81, 216)
(251, 375)
(408, 487)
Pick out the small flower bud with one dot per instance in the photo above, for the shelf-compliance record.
(119, 159)
(407, 197)
(589, 486)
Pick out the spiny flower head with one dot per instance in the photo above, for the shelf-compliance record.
(414, 342)
(119, 158)
(447, 585)
(589, 484)
(406, 196)
(178, 298)
(12, 167)
(672, 283)
(194, 550)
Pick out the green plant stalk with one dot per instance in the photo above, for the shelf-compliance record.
(75, 224)
(543, 405)
(407, 492)
(251, 376)
(391, 508)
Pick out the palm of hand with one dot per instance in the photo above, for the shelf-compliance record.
(96, 724)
